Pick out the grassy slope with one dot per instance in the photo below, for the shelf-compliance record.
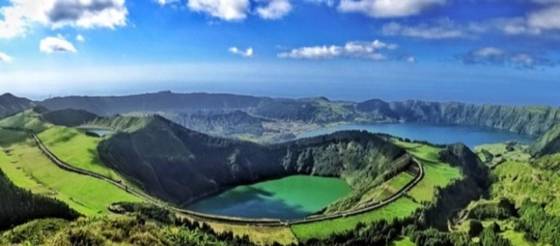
(518, 181)
(403, 242)
(437, 174)
(388, 188)
(114, 230)
(257, 234)
(76, 148)
(27, 119)
(401, 208)
(508, 231)
(8, 137)
(28, 168)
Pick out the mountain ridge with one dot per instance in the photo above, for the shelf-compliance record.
(10, 104)
(529, 120)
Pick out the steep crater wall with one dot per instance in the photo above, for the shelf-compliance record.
(180, 165)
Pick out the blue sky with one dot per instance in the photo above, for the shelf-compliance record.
(497, 51)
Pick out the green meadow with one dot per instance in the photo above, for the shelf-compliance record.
(28, 168)
(437, 173)
(519, 181)
(405, 241)
(76, 148)
(401, 208)
(28, 119)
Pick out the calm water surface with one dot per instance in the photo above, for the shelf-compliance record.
(288, 198)
(470, 136)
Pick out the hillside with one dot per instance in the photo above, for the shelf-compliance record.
(10, 104)
(222, 124)
(68, 117)
(523, 119)
(152, 102)
(138, 225)
(195, 165)
(18, 206)
(548, 144)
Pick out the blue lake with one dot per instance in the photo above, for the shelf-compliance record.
(470, 136)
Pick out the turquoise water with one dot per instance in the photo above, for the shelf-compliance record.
(287, 198)
(470, 136)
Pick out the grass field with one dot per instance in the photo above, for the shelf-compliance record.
(28, 168)
(501, 153)
(516, 238)
(401, 208)
(259, 235)
(386, 189)
(77, 149)
(518, 181)
(10, 137)
(508, 232)
(27, 119)
(437, 173)
(405, 241)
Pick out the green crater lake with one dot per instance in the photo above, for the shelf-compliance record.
(287, 198)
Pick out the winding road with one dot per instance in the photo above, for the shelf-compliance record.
(226, 219)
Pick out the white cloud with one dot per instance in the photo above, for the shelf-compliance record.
(58, 44)
(4, 58)
(249, 52)
(367, 50)
(388, 8)
(80, 38)
(537, 22)
(229, 10)
(275, 9)
(88, 13)
(444, 29)
(18, 16)
(548, 18)
(498, 56)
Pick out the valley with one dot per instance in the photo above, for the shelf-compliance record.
(334, 179)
